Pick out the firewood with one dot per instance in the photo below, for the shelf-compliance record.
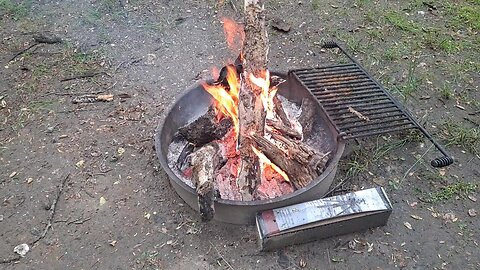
(307, 116)
(300, 162)
(204, 165)
(284, 129)
(280, 112)
(206, 128)
(251, 112)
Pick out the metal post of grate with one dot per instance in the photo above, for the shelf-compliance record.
(357, 104)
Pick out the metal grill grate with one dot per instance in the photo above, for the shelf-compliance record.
(357, 104)
(345, 89)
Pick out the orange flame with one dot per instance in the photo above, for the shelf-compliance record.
(267, 163)
(234, 35)
(267, 93)
(226, 102)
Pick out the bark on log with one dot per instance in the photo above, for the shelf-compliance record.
(206, 128)
(300, 162)
(307, 117)
(251, 111)
(280, 112)
(204, 165)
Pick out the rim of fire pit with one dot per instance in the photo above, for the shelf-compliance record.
(338, 149)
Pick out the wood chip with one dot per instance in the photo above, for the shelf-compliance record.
(472, 198)
(408, 225)
(416, 217)
(358, 114)
(460, 107)
(13, 174)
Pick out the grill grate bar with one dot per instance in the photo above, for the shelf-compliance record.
(329, 73)
(384, 105)
(351, 95)
(357, 102)
(338, 82)
(333, 75)
(380, 127)
(310, 70)
(376, 132)
(341, 91)
(344, 85)
(376, 115)
(378, 122)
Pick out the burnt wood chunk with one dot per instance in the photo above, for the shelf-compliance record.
(204, 165)
(284, 129)
(307, 117)
(279, 111)
(300, 162)
(251, 112)
(206, 128)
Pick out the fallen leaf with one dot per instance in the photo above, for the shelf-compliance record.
(13, 174)
(442, 172)
(80, 163)
(21, 249)
(408, 225)
(302, 263)
(416, 217)
(113, 243)
(120, 151)
(29, 180)
(472, 212)
(105, 97)
(449, 217)
(102, 201)
(147, 215)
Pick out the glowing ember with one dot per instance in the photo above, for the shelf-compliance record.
(266, 163)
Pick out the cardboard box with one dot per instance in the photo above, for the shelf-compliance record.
(319, 219)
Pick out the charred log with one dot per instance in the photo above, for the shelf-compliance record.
(204, 165)
(300, 162)
(284, 129)
(206, 128)
(251, 112)
(307, 117)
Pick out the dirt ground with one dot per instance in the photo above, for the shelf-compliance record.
(117, 210)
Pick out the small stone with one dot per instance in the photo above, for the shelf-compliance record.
(80, 163)
(121, 151)
(1, 217)
(472, 212)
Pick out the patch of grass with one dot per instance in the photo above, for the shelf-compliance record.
(14, 10)
(460, 189)
(395, 52)
(446, 92)
(317, 4)
(463, 15)
(465, 137)
(401, 22)
(355, 167)
(411, 84)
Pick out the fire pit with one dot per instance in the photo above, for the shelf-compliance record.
(196, 101)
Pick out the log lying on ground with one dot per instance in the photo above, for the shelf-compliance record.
(307, 116)
(206, 128)
(204, 165)
(251, 112)
(300, 162)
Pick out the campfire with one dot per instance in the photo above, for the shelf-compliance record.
(251, 143)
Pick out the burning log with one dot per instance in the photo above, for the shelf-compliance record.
(306, 117)
(251, 109)
(206, 128)
(300, 162)
(204, 165)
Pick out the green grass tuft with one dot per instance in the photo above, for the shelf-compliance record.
(461, 189)
(401, 22)
(467, 138)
